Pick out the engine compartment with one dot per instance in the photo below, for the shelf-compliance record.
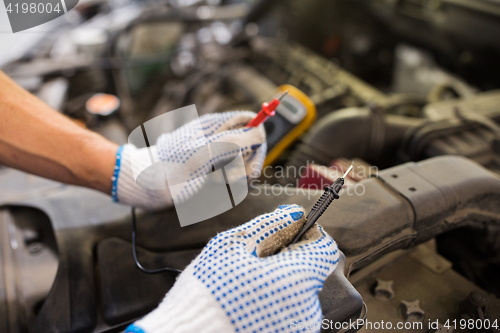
(405, 89)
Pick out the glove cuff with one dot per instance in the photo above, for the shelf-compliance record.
(187, 307)
(125, 189)
(114, 179)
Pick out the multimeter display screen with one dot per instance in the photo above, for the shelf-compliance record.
(290, 107)
(288, 115)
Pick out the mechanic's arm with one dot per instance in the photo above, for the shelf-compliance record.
(37, 139)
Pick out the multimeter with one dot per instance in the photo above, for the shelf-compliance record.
(294, 115)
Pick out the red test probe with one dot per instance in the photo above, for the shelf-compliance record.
(268, 110)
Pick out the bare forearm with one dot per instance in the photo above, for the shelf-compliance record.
(37, 139)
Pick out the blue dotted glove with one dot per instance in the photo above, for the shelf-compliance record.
(183, 155)
(238, 284)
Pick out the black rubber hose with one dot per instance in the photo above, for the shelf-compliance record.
(355, 132)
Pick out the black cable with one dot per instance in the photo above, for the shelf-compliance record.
(134, 252)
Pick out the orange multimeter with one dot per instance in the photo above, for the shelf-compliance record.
(293, 116)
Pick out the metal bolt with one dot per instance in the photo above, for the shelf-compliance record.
(411, 310)
(383, 289)
(478, 298)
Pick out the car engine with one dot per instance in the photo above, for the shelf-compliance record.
(405, 90)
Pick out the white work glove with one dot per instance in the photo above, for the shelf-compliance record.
(171, 149)
(236, 284)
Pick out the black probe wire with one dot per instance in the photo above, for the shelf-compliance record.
(134, 252)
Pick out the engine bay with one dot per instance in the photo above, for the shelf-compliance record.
(405, 90)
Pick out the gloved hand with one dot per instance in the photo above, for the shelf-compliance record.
(171, 149)
(236, 284)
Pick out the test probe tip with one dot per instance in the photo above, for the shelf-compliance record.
(283, 96)
(348, 170)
